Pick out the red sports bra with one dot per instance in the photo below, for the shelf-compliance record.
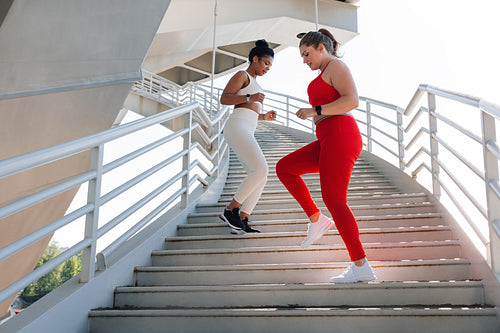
(320, 92)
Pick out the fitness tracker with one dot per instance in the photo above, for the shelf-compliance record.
(248, 98)
(318, 109)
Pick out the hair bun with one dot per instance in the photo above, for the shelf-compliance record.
(261, 43)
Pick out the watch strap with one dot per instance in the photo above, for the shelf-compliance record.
(317, 108)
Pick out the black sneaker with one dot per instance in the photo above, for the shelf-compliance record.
(237, 232)
(246, 227)
(232, 218)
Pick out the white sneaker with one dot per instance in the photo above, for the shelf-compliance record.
(355, 274)
(316, 230)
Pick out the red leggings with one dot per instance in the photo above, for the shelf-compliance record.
(333, 155)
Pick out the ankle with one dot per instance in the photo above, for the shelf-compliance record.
(360, 262)
(314, 217)
(233, 204)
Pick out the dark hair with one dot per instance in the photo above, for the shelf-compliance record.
(323, 36)
(260, 50)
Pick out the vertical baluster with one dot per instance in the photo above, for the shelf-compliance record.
(217, 156)
(368, 126)
(186, 160)
(493, 202)
(401, 148)
(434, 145)
(287, 111)
(92, 218)
(218, 100)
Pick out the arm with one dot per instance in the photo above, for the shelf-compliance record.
(229, 95)
(339, 76)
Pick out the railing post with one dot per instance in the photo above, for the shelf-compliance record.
(217, 156)
(492, 200)
(401, 148)
(92, 218)
(186, 160)
(218, 101)
(287, 111)
(434, 145)
(368, 127)
(160, 90)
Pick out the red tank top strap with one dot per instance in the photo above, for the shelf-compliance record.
(324, 68)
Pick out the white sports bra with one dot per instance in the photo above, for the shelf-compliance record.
(252, 88)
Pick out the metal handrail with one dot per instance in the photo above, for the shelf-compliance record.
(489, 112)
(153, 87)
(379, 138)
(210, 115)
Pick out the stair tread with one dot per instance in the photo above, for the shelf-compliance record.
(470, 310)
(306, 286)
(318, 265)
(305, 220)
(300, 210)
(304, 233)
(285, 248)
(349, 198)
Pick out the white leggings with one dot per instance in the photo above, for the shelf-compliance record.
(239, 134)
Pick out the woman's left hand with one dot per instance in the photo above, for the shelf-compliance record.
(271, 115)
(305, 113)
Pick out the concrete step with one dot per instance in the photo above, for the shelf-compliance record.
(272, 172)
(317, 196)
(310, 181)
(298, 320)
(236, 165)
(265, 226)
(273, 186)
(291, 213)
(311, 254)
(316, 192)
(293, 238)
(394, 294)
(353, 200)
(407, 270)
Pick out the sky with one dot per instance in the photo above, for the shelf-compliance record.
(451, 44)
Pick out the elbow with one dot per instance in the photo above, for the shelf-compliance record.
(223, 100)
(354, 102)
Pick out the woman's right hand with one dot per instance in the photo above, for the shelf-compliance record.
(257, 97)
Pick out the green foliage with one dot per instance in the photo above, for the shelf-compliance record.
(55, 278)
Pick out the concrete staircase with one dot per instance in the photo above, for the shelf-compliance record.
(207, 280)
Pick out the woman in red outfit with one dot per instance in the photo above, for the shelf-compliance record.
(332, 96)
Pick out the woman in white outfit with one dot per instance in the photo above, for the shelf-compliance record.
(247, 96)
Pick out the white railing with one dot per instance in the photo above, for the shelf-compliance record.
(456, 144)
(95, 144)
(170, 93)
(387, 129)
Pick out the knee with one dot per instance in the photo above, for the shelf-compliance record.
(334, 202)
(281, 168)
(259, 169)
(262, 170)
